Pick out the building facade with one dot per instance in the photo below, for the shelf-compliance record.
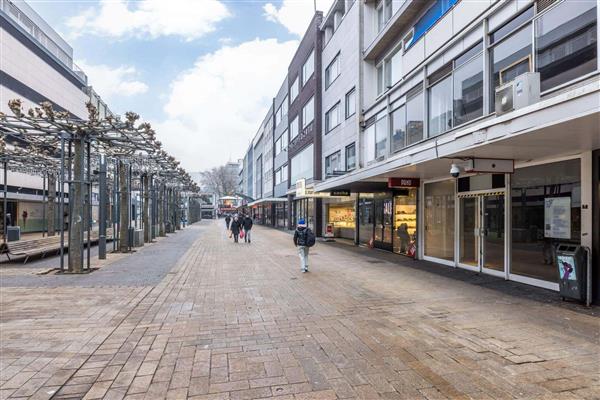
(471, 138)
(37, 66)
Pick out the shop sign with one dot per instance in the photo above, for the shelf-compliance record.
(339, 193)
(557, 217)
(302, 190)
(403, 182)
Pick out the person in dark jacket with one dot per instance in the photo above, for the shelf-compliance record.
(235, 227)
(227, 221)
(247, 223)
(300, 243)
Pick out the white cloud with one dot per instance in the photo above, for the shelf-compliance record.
(216, 107)
(110, 82)
(295, 15)
(189, 19)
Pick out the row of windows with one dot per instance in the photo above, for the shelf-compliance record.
(333, 162)
(333, 117)
(560, 44)
(281, 175)
(308, 68)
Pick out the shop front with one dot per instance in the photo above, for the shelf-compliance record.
(281, 215)
(507, 225)
(388, 220)
(340, 218)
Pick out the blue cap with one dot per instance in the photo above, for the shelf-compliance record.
(301, 221)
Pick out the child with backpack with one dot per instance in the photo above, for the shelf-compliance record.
(304, 238)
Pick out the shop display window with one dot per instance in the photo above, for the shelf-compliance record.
(439, 220)
(341, 216)
(537, 228)
(405, 222)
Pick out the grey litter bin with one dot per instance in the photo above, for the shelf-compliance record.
(13, 233)
(572, 271)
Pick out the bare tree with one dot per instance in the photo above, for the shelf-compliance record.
(220, 180)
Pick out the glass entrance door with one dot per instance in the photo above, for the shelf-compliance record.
(482, 234)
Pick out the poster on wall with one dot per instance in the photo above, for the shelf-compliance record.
(557, 217)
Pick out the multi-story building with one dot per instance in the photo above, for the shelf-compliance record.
(280, 156)
(481, 128)
(36, 65)
(471, 139)
(340, 72)
(304, 126)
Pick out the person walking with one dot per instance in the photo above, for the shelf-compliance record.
(247, 222)
(235, 228)
(304, 238)
(227, 221)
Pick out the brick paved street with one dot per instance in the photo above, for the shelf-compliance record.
(196, 316)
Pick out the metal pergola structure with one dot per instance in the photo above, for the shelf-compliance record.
(119, 156)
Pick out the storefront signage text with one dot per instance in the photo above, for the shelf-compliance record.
(403, 182)
(340, 193)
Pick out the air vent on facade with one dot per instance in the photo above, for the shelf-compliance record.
(543, 4)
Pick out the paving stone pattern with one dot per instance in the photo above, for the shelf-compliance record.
(241, 321)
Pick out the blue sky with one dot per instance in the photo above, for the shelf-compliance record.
(184, 65)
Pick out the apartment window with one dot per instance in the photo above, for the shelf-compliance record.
(285, 139)
(393, 68)
(278, 176)
(511, 54)
(308, 112)
(381, 135)
(284, 173)
(350, 157)
(308, 68)
(468, 89)
(294, 90)
(456, 92)
(284, 107)
(384, 13)
(380, 79)
(332, 117)
(414, 115)
(398, 126)
(332, 71)
(351, 103)
(565, 42)
(294, 128)
(278, 145)
(333, 163)
(278, 116)
(302, 165)
(375, 138)
(440, 103)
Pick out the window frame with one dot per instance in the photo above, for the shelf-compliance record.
(328, 81)
(305, 107)
(337, 153)
(311, 57)
(347, 102)
(295, 121)
(329, 128)
(353, 146)
(295, 83)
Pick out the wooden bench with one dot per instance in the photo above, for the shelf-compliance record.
(28, 248)
(43, 246)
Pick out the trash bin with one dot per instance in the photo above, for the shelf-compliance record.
(13, 233)
(572, 271)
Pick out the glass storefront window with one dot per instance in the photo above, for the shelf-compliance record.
(440, 107)
(439, 220)
(533, 250)
(365, 218)
(468, 91)
(566, 42)
(405, 221)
